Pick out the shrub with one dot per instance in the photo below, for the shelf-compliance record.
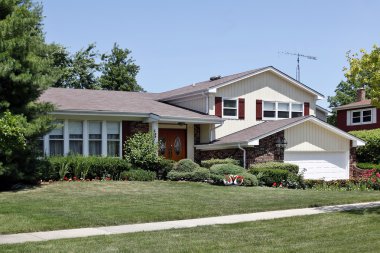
(292, 168)
(138, 175)
(79, 166)
(368, 166)
(370, 152)
(270, 176)
(211, 162)
(198, 175)
(141, 151)
(185, 165)
(164, 166)
(227, 169)
(249, 179)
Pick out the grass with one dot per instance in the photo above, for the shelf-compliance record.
(355, 231)
(84, 204)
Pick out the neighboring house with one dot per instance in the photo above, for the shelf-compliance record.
(321, 113)
(247, 116)
(360, 115)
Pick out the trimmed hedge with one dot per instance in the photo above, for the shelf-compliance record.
(370, 152)
(138, 175)
(87, 167)
(211, 162)
(185, 165)
(198, 175)
(269, 176)
(292, 168)
(368, 166)
(227, 169)
(164, 166)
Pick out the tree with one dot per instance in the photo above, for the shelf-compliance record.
(119, 71)
(26, 70)
(364, 69)
(78, 70)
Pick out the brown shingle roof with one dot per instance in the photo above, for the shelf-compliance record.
(115, 102)
(257, 131)
(205, 85)
(362, 103)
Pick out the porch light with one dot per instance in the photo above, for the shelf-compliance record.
(281, 142)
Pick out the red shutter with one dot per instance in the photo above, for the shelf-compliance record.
(218, 106)
(306, 109)
(259, 109)
(241, 108)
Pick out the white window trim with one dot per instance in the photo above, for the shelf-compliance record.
(237, 109)
(373, 112)
(276, 109)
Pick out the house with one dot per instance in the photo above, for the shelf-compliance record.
(254, 116)
(360, 115)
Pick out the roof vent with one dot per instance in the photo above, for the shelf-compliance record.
(213, 78)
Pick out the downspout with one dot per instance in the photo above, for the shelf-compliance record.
(244, 154)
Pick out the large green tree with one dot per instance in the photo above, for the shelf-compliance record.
(78, 70)
(26, 70)
(119, 71)
(364, 69)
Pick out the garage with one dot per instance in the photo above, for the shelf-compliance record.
(321, 165)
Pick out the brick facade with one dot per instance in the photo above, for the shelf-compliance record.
(197, 134)
(132, 127)
(355, 172)
(266, 151)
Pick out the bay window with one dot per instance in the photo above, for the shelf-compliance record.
(56, 139)
(95, 138)
(76, 137)
(113, 138)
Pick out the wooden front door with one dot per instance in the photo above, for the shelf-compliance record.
(172, 143)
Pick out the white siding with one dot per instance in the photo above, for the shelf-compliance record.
(196, 103)
(266, 86)
(310, 137)
(321, 115)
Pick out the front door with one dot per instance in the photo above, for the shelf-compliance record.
(172, 143)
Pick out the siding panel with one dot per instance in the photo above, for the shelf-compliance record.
(310, 137)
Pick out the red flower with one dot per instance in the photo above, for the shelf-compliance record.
(274, 184)
(74, 178)
(65, 178)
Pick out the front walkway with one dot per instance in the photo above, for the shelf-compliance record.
(228, 219)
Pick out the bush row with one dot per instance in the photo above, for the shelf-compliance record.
(368, 166)
(209, 163)
(189, 171)
(292, 168)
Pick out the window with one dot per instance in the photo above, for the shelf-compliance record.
(269, 109)
(297, 110)
(113, 138)
(56, 139)
(230, 108)
(95, 138)
(361, 117)
(281, 110)
(75, 137)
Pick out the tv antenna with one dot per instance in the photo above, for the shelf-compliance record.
(298, 71)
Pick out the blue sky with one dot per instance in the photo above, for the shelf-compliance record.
(177, 43)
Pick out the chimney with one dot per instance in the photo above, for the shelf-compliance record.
(360, 95)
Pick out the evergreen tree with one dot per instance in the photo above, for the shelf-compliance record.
(119, 71)
(26, 70)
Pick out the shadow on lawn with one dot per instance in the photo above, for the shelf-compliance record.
(18, 187)
(365, 211)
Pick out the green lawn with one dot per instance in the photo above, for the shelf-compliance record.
(356, 231)
(82, 204)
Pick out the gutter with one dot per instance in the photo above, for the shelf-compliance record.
(244, 155)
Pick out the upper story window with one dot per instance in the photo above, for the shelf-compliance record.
(281, 110)
(230, 108)
(361, 117)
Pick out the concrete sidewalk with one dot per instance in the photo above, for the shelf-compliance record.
(154, 226)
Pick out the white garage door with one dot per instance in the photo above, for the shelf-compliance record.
(321, 165)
